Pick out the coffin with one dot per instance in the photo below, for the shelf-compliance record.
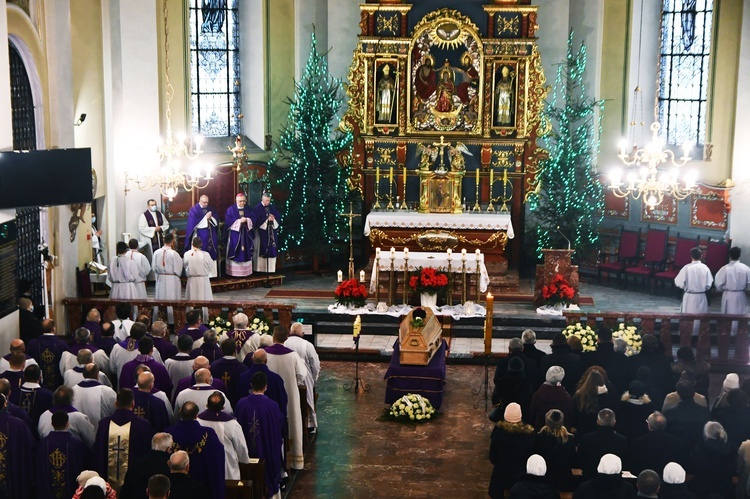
(419, 344)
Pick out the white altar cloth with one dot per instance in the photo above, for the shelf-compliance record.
(414, 220)
(435, 260)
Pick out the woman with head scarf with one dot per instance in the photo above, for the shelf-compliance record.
(534, 484)
(673, 484)
(714, 462)
(551, 395)
(510, 446)
(594, 393)
(557, 446)
(731, 382)
(608, 482)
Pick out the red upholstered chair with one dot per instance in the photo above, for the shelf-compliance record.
(717, 254)
(680, 259)
(627, 255)
(654, 257)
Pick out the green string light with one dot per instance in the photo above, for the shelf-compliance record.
(570, 196)
(304, 163)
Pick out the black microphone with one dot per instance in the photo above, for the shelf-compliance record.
(563, 235)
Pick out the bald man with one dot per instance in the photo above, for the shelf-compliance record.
(200, 362)
(148, 405)
(16, 345)
(200, 392)
(92, 398)
(275, 388)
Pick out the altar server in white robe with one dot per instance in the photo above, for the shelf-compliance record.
(695, 279)
(307, 353)
(95, 400)
(286, 363)
(230, 434)
(167, 265)
(732, 280)
(122, 275)
(199, 393)
(197, 269)
(144, 268)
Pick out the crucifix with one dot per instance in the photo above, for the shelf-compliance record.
(442, 145)
(350, 216)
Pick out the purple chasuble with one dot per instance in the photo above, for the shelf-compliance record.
(152, 409)
(269, 236)
(212, 352)
(240, 243)
(47, 350)
(240, 336)
(278, 349)
(189, 381)
(196, 333)
(139, 441)
(34, 401)
(209, 235)
(229, 371)
(162, 381)
(206, 454)
(16, 456)
(94, 327)
(275, 390)
(60, 457)
(262, 423)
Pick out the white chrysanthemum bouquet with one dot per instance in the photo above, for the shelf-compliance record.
(412, 407)
(587, 335)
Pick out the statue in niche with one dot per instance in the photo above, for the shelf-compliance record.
(386, 96)
(425, 81)
(446, 88)
(504, 96)
(213, 12)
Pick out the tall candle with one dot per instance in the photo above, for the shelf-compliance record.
(450, 253)
(357, 327)
(377, 252)
(488, 324)
(505, 177)
(463, 254)
(377, 180)
(477, 170)
(361, 276)
(393, 253)
(477, 252)
(404, 183)
(340, 276)
(406, 252)
(492, 179)
(390, 182)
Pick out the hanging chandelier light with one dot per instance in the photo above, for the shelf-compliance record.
(170, 177)
(651, 172)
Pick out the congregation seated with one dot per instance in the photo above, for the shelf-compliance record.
(657, 363)
(563, 356)
(713, 463)
(511, 444)
(735, 417)
(673, 398)
(515, 349)
(731, 382)
(651, 387)
(593, 394)
(614, 363)
(514, 387)
(633, 409)
(551, 395)
(657, 448)
(604, 440)
(699, 369)
(528, 337)
(557, 446)
(534, 483)
(607, 483)
(686, 419)
(673, 484)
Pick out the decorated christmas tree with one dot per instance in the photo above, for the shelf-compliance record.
(304, 163)
(568, 194)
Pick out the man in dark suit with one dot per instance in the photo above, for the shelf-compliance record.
(657, 448)
(685, 421)
(29, 325)
(154, 462)
(615, 363)
(563, 356)
(181, 483)
(605, 440)
(515, 349)
(661, 372)
(528, 337)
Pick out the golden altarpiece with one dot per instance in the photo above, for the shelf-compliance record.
(445, 105)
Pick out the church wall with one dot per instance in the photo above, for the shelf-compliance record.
(343, 28)
(554, 25)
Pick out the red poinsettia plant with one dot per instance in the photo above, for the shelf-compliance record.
(351, 292)
(428, 280)
(559, 291)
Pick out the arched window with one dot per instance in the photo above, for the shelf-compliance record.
(214, 67)
(686, 27)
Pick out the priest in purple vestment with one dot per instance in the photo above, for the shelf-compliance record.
(148, 406)
(16, 455)
(204, 447)
(121, 439)
(47, 350)
(33, 398)
(275, 389)
(60, 457)
(229, 369)
(145, 356)
(202, 223)
(239, 226)
(266, 218)
(262, 423)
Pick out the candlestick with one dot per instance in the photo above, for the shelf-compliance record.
(477, 207)
(488, 324)
(361, 276)
(340, 276)
(376, 206)
(492, 179)
(505, 178)
(404, 184)
(477, 175)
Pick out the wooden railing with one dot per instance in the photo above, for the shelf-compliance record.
(716, 327)
(77, 308)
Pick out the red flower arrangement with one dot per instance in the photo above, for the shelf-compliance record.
(428, 280)
(558, 291)
(351, 292)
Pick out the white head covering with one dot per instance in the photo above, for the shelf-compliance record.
(731, 382)
(84, 477)
(96, 482)
(536, 465)
(674, 473)
(610, 465)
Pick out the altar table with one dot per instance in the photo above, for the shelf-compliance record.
(414, 220)
(436, 260)
(427, 381)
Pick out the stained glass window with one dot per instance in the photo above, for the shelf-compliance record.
(215, 67)
(683, 84)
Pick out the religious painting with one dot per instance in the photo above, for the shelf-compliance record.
(441, 195)
(445, 75)
(616, 207)
(505, 94)
(663, 213)
(386, 92)
(709, 209)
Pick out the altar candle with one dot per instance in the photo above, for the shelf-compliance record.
(505, 177)
(377, 252)
(377, 180)
(463, 254)
(488, 324)
(393, 253)
(406, 253)
(477, 252)
(492, 179)
(390, 175)
(404, 183)
(340, 276)
(450, 253)
(477, 170)
(357, 327)
(361, 276)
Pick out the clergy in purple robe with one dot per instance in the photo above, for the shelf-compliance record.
(204, 447)
(145, 356)
(275, 389)
(16, 454)
(194, 325)
(148, 406)
(262, 423)
(160, 335)
(152, 225)
(201, 223)
(121, 439)
(33, 398)
(267, 219)
(189, 381)
(60, 458)
(208, 348)
(47, 350)
(239, 226)
(229, 369)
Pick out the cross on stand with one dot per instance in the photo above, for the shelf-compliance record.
(350, 216)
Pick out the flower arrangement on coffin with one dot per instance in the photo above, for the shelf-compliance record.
(632, 337)
(587, 336)
(428, 280)
(412, 407)
(222, 326)
(351, 292)
(558, 292)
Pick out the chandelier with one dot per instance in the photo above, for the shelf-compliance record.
(170, 177)
(651, 172)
